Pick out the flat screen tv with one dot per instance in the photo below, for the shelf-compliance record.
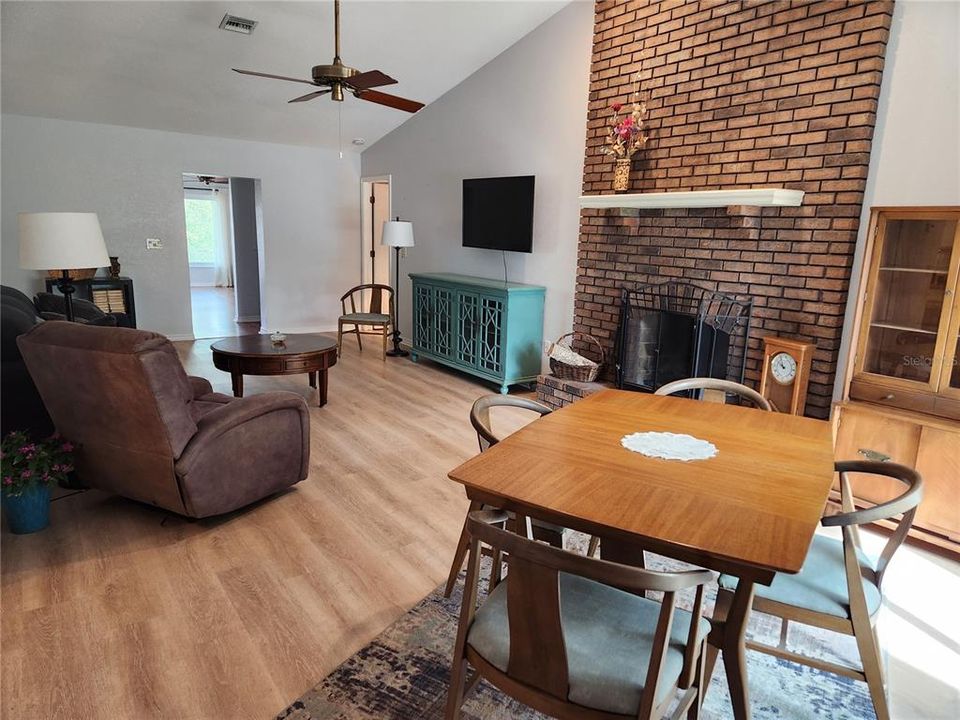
(498, 213)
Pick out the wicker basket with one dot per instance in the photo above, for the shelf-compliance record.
(580, 373)
(81, 274)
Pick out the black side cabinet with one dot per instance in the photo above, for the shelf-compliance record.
(112, 295)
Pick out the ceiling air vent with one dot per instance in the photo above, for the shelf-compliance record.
(237, 24)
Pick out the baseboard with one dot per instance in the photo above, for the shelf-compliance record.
(177, 338)
(247, 318)
(310, 329)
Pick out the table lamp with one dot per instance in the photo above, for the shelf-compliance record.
(397, 234)
(61, 241)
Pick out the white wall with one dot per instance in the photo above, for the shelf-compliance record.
(202, 275)
(524, 113)
(133, 179)
(915, 157)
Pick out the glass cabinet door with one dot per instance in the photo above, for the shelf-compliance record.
(910, 300)
(950, 375)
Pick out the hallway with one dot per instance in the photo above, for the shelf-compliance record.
(214, 311)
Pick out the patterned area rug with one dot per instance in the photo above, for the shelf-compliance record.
(403, 675)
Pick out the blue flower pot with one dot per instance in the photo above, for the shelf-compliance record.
(29, 511)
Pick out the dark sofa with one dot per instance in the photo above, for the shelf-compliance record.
(52, 306)
(20, 405)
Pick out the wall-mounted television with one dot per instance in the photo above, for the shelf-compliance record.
(498, 213)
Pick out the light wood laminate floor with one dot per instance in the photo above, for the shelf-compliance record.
(214, 311)
(124, 612)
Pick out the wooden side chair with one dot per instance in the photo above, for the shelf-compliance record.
(715, 390)
(379, 314)
(572, 637)
(541, 530)
(838, 588)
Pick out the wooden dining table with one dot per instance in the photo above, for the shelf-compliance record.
(749, 511)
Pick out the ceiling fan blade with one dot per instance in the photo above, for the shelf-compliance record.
(369, 79)
(398, 103)
(275, 77)
(309, 96)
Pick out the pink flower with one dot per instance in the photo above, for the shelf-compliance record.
(8, 480)
(26, 474)
(616, 106)
(67, 446)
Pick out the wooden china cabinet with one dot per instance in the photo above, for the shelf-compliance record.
(902, 394)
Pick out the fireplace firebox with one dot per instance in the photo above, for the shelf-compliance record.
(675, 330)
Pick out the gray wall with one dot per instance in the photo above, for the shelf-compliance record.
(246, 256)
(133, 179)
(915, 158)
(524, 113)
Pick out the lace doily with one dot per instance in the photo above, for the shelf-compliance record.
(669, 446)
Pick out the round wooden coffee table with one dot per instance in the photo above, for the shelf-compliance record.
(257, 355)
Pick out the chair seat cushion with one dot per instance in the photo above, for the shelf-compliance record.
(365, 318)
(821, 584)
(608, 635)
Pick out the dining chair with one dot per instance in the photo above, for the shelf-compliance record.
(839, 587)
(378, 315)
(541, 530)
(572, 637)
(715, 390)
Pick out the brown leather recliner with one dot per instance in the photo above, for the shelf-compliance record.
(149, 432)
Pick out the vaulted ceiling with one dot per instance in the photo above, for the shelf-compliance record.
(166, 65)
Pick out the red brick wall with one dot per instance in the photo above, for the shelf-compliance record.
(740, 94)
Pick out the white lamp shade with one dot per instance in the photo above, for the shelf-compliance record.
(397, 233)
(61, 241)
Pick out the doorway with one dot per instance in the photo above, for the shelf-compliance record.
(224, 237)
(375, 209)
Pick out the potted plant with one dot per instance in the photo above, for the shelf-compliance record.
(29, 468)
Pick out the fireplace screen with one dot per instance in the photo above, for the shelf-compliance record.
(675, 330)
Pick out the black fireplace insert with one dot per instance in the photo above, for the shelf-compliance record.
(674, 330)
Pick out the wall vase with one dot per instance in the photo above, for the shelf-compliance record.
(621, 175)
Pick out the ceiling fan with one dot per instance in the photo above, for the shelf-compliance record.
(338, 77)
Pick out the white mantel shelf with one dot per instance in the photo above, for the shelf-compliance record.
(758, 197)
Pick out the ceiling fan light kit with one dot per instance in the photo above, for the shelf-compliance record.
(337, 78)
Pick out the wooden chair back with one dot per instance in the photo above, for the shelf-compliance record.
(850, 518)
(538, 655)
(716, 390)
(381, 299)
(480, 415)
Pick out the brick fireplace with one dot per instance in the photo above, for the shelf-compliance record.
(740, 95)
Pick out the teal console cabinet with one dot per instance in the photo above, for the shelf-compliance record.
(488, 328)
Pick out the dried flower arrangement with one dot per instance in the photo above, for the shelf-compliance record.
(626, 134)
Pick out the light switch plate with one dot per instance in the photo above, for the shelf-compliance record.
(154, 244)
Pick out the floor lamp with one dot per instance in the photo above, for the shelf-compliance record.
(61, 241)
(397, 234)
